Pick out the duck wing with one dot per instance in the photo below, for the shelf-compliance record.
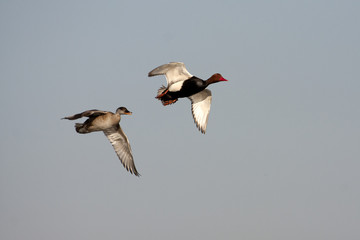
(89, 113)
(121, 145)
(200, 108)
(173, 71)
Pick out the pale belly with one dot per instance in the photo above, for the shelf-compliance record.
(102, 123)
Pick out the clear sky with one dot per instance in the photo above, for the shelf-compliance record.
(281, 156)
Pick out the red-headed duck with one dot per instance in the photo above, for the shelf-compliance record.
(180, 84)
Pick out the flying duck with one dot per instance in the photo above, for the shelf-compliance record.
(180, 84)
(108, 122)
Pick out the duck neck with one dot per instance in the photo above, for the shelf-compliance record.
(118, 115)
(211, 80)
(215, 78)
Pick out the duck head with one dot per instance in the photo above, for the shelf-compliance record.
(123, 111)
(215, 78)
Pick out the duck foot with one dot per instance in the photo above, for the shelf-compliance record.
(168, 102)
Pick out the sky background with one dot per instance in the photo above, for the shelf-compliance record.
(281, 156)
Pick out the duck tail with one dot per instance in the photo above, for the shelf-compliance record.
(164, 97)
(81, 128)
(161, 92)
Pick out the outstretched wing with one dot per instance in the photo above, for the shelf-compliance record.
(174, 72)
(200, 108)
(121, 145)
(88, 113)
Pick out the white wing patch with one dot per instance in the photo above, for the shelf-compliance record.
(174, 72)
(121, 145)
(200, 108)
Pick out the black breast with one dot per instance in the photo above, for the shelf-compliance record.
(191, 86)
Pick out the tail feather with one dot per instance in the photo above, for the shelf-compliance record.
(161, 90)
(81, 128)
(164, 97)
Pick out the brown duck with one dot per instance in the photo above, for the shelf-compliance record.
(108, 122)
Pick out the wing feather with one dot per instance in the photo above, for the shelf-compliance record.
(121, 145)
(173, 71)
(88, 113)
(200, 108)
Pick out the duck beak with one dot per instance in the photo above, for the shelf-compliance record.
(128, 113)
(222, 79)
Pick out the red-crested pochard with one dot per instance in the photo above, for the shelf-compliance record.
(180, 84)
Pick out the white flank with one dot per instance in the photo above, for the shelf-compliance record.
(176, 86)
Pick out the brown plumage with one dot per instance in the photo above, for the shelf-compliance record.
(108, 123)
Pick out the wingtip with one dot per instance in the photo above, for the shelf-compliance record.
(203, 131)
(151, 74)
(154, 72)
(135, 172)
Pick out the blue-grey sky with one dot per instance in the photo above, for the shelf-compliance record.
(281, 156)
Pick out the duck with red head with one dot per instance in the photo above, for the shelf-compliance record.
(181, 84)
